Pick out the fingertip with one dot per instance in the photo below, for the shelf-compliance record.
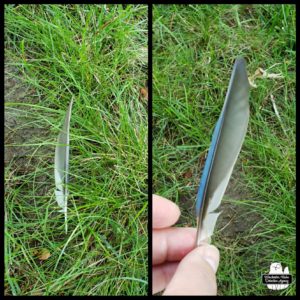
(165, 213)
(210, 254)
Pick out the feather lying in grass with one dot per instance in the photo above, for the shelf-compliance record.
(61, 167)
(226, 144)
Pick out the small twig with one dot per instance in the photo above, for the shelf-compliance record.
(277, 114)
(261, 73)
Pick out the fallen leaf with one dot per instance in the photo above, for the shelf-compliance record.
(144, 93)
(42, 254)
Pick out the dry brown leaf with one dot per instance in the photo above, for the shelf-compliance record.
(42, 254)
(144, 93)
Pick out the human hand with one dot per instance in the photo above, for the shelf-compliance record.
(177, 266)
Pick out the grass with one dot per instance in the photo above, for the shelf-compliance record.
(193, 54)
(98, 55)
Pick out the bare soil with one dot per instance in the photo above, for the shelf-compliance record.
(21, 154)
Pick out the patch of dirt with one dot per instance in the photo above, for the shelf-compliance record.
(15, 117)
(21, 130)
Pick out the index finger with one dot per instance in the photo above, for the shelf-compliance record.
(165, 213)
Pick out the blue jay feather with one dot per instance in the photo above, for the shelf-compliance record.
(227, 140)
(61, 167)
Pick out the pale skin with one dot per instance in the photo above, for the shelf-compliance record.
(178, 267)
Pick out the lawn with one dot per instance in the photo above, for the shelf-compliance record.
(96, 54)
(194, 48)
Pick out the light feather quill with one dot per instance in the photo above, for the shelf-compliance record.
(61, 168)
(227, 140)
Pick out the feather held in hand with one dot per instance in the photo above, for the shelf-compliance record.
(61, 168)
(227, 140)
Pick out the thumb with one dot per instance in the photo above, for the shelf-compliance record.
(195, 274)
